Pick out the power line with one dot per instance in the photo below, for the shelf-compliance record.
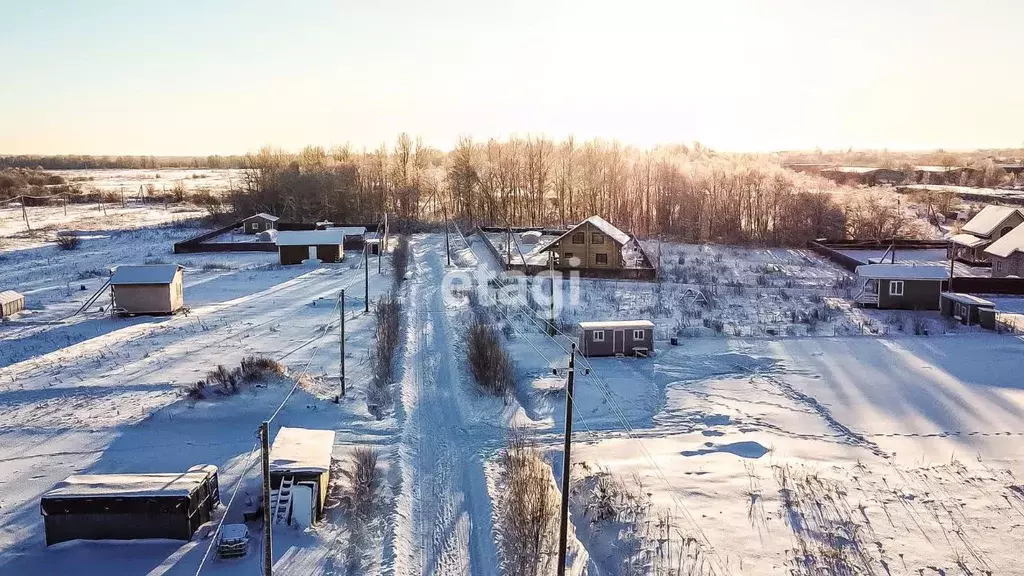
(234, 492)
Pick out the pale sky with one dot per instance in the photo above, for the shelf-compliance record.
(185, 77)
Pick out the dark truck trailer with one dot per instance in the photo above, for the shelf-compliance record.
(130, 506)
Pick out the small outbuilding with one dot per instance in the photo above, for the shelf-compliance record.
(295, 246)
(617, 338)
(300, 469)
(352, 236)
(148, 289)
(901, 286)
(373, 242)
(259, 223)
(964, 307)
(130, 506)
(11, 303)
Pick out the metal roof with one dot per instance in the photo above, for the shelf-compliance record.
(128, 485)
(985, 222)
(902, 272)
(301, 450)
(967, 299)
(1012, 242)
(157, 274)
(311, 237)
(968, 240)
(8, 296)
(265, 216)
(613, 324)
(349, 230)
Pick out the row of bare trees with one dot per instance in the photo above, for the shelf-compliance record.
(691, 193)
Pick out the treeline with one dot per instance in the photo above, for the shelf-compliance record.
(77, 162)
(687, 192)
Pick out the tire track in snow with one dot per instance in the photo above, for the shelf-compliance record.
(444, 502)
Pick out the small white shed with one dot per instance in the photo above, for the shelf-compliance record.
(11, 303)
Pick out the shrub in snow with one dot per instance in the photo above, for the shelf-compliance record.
(526, 510)
(68, 240)
(259, 368)
(365, 480)
(228, 380)
(490, 365)
(388, 313)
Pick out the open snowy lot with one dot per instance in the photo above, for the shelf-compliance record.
(164, 179)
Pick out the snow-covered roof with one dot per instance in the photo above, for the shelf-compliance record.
(968, 240)
(601, 224)
(372, 237)
(265, 216)
(310, 237)
(902, 272)
(349, 230)
(8, 296)
(128, 485)
(853, 169)
(302, 450)
(967, 299)
(990, 218)
(937, 169)
(149, 274)
(613, 324)
(1012, 242)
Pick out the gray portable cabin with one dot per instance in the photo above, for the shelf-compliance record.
(617, 337)
(149, 289)
(11, 303)
(130, 506)
(259, 223)
(964, 307)
(901, 286)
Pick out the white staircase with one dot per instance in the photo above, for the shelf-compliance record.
(866, 297)
(281, 501)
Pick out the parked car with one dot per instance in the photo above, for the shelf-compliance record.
(233, 541)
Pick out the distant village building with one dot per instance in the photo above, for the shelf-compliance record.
(594, 243)
(866, 175)
(988, 226)
(259, 223)
(11, 303)
(617, 337)
(1007, 254)
(130, 506)
(943, 175)
(300, 469)
(324, 245)
(148, 289)
(372, 241)
(901, 286)
(353, 237)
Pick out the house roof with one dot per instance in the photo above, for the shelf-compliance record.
(941, 169)
(857, 169)
(903, 272)
(301, 450)
(967, 299)
(155, 274)
(985, 222)
(968, 240)
(613, 324)
(1008, 244)
(601, 224)
(265, 216)
(128, 485)
(8, 296)
(349, 230)
(310, 237)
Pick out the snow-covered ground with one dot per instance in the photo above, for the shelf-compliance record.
(163, 179)
(763, 454)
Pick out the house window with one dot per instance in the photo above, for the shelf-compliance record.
(598, 335)
(638, 335)
(1006, 230)
(896, 288)
(601, 258)
(254, 225)
(999, 265)
(597, 238)
(568, 255)
(579, 238)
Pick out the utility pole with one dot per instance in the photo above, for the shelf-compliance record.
(342, 341)
(379, 255)
(563, 526)
(268, 547)
(65, 197)
(447, 246)
(366, 269)
(551, 266)
(508, 250)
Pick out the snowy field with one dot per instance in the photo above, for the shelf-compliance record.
(765, 453)
(164, 179)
